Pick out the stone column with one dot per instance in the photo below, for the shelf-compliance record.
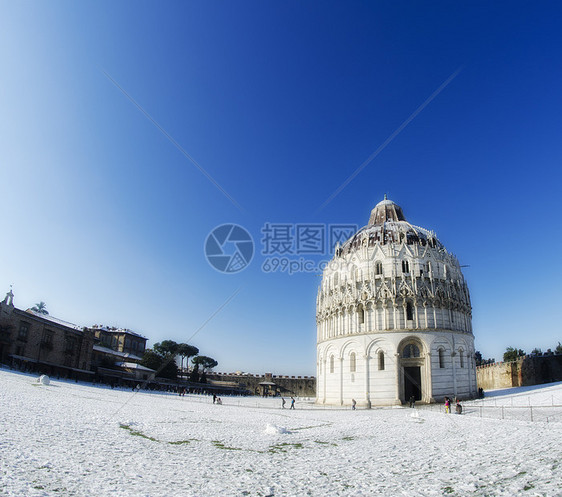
(340, 322)
(367, 382)
(341, 381)
(453, 354)
(325, 365)
(470, 369)
(429, 379)
(397, 385)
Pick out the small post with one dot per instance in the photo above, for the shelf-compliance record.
(502, 412)
(531, 412)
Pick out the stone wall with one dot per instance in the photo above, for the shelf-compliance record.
(301, 386)
(528, 370)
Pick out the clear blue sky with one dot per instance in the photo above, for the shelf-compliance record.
(105, 220)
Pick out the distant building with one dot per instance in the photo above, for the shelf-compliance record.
(39, 342)
(117, 353)
(120, 339)
(394, 319)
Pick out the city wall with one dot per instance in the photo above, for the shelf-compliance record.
(525, 371)
(268, 384)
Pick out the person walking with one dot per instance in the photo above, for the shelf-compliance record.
(447, 405)
(292, 403)
(353, 404)
(458, 407)
(283, 402)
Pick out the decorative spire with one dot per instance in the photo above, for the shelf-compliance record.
(385, 197)
(9, 299)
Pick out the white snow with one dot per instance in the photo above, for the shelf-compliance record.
(75, 439)
(44, 379)
(275, 430)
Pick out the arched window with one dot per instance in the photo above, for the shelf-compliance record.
(335, 278)
(357, 274)
(381, 361)
(378, 267)
(428, 267)
(352, 363)
(331, 364)
(361, 314)
(410, 351)
(405, 267)
(441, 358)
(409, 311)
(461, 356)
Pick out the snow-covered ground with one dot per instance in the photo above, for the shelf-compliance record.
(74, 439)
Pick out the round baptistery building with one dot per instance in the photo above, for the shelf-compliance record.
(394, 318)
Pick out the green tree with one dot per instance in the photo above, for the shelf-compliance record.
(204, 362)
(164, 365)
(478, 358)
(186, 351)
(536, 351)
(166, 348)
(511, 354)
(480, 361)
(41, 308)
(558, 349)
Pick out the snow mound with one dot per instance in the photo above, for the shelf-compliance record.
(44, 379)
(274, 429)
(416, 417)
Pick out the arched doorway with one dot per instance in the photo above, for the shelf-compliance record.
(411, 371)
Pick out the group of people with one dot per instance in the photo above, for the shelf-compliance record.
(458, 406)
(217, 400)
(283, 402)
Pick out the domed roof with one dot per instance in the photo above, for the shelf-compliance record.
(387, 224)
(386, 210)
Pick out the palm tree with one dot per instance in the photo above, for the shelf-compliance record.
(40, 308)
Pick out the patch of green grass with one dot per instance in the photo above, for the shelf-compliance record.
(39, 487)
(528, 486)
(136, 433)
(348, 438)
(310, 427)
(282, 447)
(448, 490)
(219, 445)
(184, 442)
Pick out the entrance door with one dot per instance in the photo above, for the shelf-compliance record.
(412, 383)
